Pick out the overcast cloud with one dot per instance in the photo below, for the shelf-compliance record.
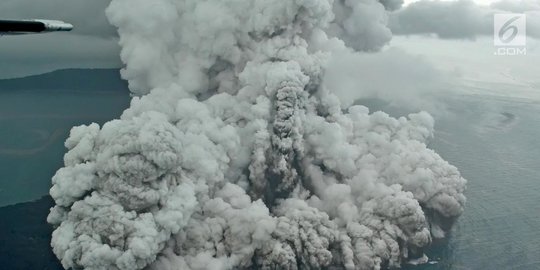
(462, 19)
(88, 16)
(93, 43)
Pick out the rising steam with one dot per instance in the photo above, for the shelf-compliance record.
(235, 155)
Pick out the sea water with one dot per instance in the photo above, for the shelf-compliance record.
(495, 143)
(33, 127)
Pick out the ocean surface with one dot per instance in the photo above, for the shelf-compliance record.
(34, 123)
(495, 142)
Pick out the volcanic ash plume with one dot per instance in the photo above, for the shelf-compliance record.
(234, 155)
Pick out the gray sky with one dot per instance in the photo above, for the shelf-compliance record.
(93, 43)
(461, 19)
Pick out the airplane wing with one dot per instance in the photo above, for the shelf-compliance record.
(22, 27)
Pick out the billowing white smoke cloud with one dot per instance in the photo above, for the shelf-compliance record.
(361, 24)
(414, 82)
(236, 155)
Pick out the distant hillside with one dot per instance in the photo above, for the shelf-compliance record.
(70, 79)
